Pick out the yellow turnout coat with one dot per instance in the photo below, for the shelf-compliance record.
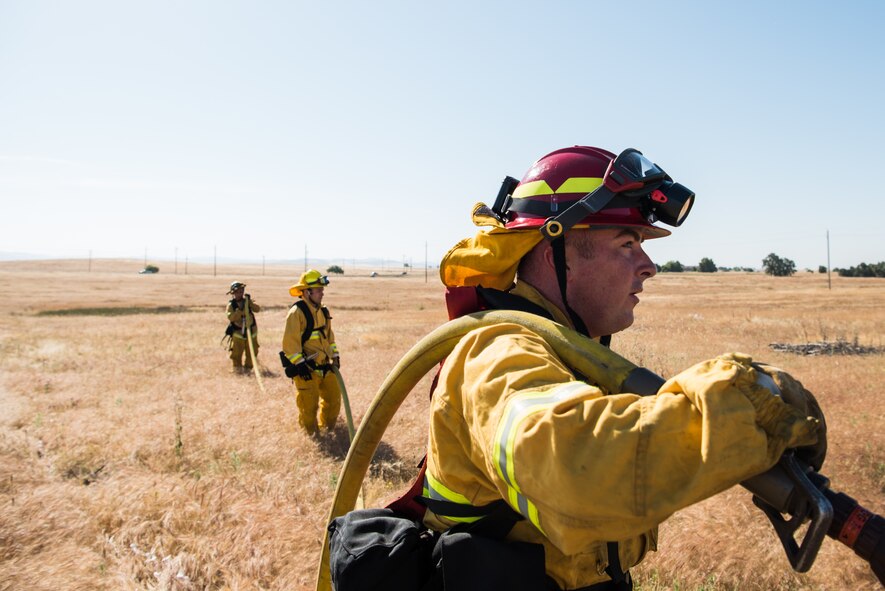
(510, 421)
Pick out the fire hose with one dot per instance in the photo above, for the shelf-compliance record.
(346, 401)
(247, 322)
(789, 488)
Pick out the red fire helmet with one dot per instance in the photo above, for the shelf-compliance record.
(559, 179)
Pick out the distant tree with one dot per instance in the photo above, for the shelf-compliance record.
(672, 267)
(777, 266)
(821, 269)
(335, 269)
(707, 266)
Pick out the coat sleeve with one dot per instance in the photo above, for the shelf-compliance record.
(583, 466)
(295, 325)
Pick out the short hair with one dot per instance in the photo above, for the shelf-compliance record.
(582, 243)
(580, 239)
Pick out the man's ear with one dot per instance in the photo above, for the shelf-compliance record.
(547, 255)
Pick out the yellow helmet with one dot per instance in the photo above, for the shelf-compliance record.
(308, 279)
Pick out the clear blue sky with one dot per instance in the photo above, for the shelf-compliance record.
(370, 128)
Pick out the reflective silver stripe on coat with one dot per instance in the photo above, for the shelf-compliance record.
(519, 408)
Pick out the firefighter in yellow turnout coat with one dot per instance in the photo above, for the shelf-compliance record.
(312, 354)
(240, 312)
(592, 474)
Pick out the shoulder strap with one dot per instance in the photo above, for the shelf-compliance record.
(461, 301)
(496, 299)
(308, 318)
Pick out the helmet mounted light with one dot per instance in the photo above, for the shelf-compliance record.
(504, 199)
(631, 180)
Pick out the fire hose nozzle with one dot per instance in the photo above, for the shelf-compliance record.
(786, 489)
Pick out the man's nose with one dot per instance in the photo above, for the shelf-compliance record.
(647, 268)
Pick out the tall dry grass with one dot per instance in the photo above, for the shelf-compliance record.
(131, 459)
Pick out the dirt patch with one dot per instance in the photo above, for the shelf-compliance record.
(838, 347)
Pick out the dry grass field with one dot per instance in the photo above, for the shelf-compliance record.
(131, 459)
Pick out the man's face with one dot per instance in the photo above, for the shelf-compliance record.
(315, 295)
(238, 292)
(602, 288)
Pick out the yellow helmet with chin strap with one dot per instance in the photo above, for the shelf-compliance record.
(310, 278)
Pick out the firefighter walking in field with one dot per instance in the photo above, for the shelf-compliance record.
(240, 315)
(591, 475)
(309, 353)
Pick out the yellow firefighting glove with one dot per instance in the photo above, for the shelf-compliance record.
(785, 426)
(796, 395)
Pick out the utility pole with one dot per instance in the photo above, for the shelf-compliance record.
(90, 261)
(262, 264)
(829, 279)
(176, 260)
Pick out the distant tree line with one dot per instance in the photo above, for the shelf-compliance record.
(784, 267)
(706, 265)
(774, 265)
(863, 270)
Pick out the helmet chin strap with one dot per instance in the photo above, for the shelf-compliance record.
(558, 245)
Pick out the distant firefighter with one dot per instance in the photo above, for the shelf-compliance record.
(240, 314)
(309, 353)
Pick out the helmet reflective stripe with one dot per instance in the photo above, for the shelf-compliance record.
(572, 185)
(519, 408)
(434, 489)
